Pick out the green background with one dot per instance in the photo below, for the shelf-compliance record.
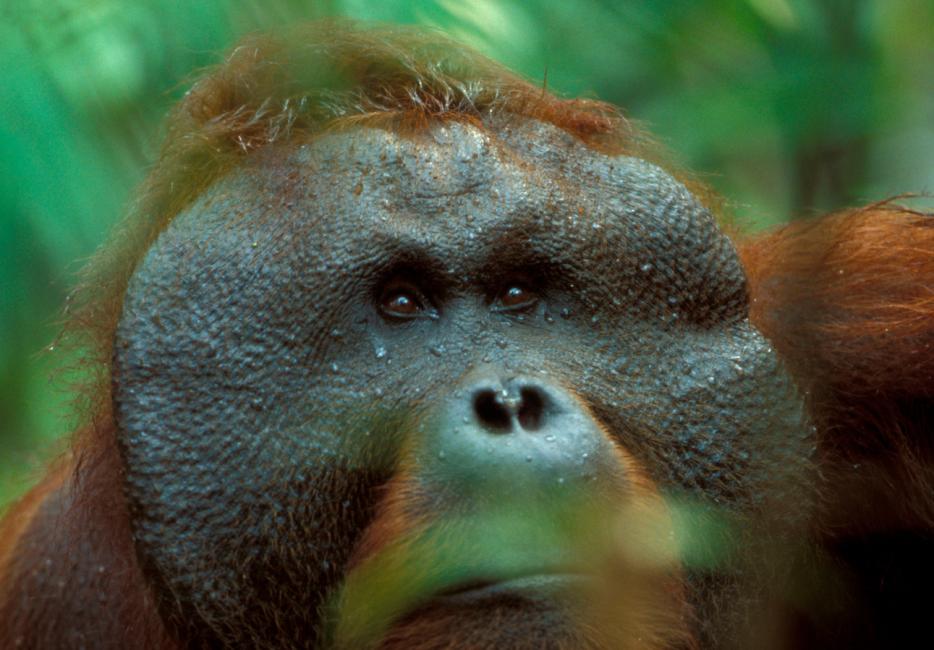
(787, 107)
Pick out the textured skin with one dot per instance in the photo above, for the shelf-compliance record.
(262, 399)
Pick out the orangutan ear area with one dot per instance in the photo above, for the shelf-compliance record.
(396, 349)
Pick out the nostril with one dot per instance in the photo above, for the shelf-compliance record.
(491, 411)
(530, 413)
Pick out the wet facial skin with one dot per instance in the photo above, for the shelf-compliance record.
(440, 359)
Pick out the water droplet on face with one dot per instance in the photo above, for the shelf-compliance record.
(565, 312)
(335, 368)
(441, 455)
(502, 343)
(596, 226)
(549, 318)
(594, 319)
(437, 350)
(549, 438)
(336, 333)
(645, 268)
(528, 459)
(560, 480)
(380, 352)
(379, 392)
(672, 300)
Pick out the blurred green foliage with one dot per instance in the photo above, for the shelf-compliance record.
(787, 107)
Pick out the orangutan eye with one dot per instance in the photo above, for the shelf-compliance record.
(403, 301)
(516, 297)
(401, 304)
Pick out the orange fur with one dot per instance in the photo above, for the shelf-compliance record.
(848, 301)
(70, 577)
(851, 296)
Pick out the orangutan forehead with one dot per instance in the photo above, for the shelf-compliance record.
(457, 159)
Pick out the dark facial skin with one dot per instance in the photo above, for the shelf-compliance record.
(506, 322)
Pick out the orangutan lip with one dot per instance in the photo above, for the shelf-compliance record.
(535, 585)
